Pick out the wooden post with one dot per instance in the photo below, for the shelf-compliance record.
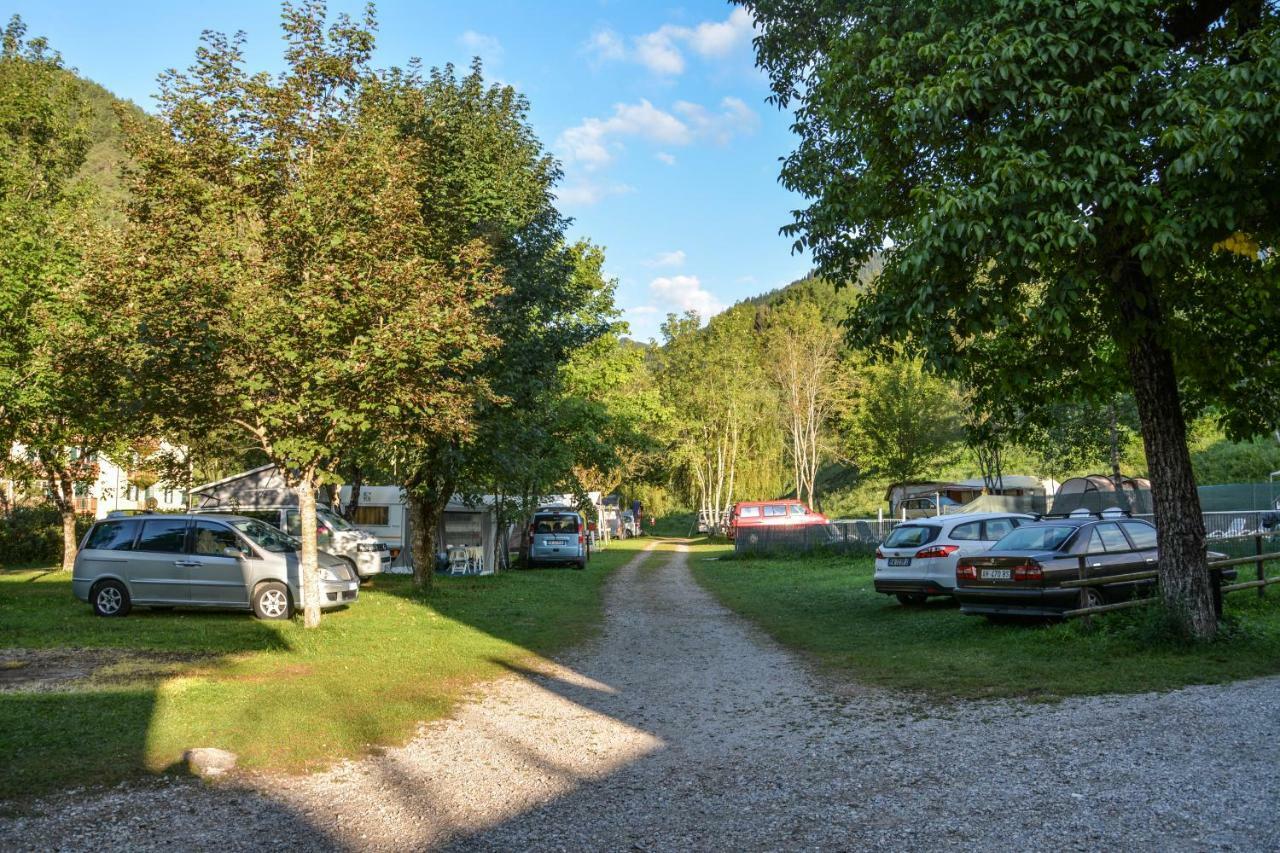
(1084, 592)
(1257, 549)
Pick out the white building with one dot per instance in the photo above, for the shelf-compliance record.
(111, 490)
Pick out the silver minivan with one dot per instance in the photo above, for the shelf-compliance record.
(558, 536)
(361, 550)
(224, 561)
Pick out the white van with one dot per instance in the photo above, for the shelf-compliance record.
(358, 548)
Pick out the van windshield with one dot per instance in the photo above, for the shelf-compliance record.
(267, 537)
(335, 521)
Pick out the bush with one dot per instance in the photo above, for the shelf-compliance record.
(33, 534)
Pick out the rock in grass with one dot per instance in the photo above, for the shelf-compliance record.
(207, 761)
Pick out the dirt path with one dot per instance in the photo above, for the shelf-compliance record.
(684, 728)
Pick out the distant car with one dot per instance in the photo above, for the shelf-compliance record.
(918, 559)
(629, 525)
(228, 562)
(925, 506)
(1022, 574)
(558, 536)
(747, 515)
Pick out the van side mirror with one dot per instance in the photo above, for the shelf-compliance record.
(233, 552)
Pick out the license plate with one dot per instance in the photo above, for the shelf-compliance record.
(996, 574)
(556, 542)
(899, 561)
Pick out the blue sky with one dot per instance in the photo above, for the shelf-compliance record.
(657, 113)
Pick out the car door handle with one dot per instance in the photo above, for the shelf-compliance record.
(1151, 559)
(1095, 565)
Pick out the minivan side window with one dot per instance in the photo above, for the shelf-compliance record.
(749, 512)
(969, 530)
(113, 536)
(164, 535)
(774, 510)
(213, 540)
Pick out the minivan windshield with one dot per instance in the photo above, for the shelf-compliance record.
(1035, 538)
(334, 520)
(911, 535)
(267, 537)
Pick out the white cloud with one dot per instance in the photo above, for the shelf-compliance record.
(605, 45)
(715, 39)
(679, 293)
(667, 259)
(661, 51)
(586, 192)
(594, 143)
(643, 310)
(735, 117)
(486, 47)
(669, 159)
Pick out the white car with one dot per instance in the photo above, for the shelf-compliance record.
(919, 557)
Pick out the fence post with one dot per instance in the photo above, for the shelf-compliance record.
(1262, 575)
(1084, 592)
(1216, 578)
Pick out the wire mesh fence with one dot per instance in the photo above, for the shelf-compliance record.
(844, 536)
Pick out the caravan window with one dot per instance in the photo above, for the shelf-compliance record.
(749, 512)
(775, 510)
(373, 516)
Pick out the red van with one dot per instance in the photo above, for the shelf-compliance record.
(772, 514)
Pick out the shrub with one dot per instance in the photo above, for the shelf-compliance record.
(33, 534)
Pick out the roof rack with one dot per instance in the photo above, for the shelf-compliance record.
(1081, 512)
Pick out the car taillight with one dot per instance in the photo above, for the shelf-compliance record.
(966, 572)
(937, 551)
(879, 554)
(579, 538)
(1028, 572)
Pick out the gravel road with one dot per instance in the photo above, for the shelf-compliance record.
(683, 728)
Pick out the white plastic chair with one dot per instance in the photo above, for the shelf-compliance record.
(458, 560)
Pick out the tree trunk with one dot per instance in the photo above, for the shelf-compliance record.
(310, 568)
(69, 543)
(426, 520)
(353, 503)
(1184, 576)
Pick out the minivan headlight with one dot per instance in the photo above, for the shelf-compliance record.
(331, 575)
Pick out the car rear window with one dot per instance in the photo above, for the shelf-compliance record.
(749, 512)
(911, 535)
(556, 524)
(113, 536)
(1035, 538)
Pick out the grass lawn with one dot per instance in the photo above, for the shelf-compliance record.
(277, 695)
(826, 607)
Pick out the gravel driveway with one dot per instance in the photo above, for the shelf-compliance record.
(682, 727)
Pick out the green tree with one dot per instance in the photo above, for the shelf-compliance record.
(276, 259)
(904, 423)
(488, 180)
(1096, 178)
(61, 395)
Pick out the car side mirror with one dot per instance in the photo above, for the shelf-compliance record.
(234, 553)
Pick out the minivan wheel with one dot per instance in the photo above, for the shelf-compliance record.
(909, 599)
(110, 598)
(581, 564)
(271, 601)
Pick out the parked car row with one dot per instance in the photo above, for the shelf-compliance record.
(998, 564)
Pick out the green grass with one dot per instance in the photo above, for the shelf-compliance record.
(279, 696)
(826, 608)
